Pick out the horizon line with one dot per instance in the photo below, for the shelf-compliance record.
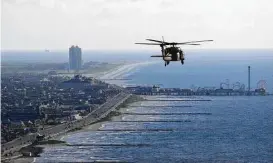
(126, 50)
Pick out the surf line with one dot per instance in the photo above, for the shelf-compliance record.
(173, 100)
(131, 113)
(139, 130)
(156, 121)
(116, 145)
(165, 106)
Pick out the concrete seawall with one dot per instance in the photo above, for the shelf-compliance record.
(96, 115)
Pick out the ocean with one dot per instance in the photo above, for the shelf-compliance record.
(225, 129)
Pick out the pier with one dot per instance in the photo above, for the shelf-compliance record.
(157, 91)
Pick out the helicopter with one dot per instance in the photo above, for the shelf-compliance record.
(170, 52)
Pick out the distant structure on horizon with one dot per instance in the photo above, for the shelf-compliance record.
(75, 58)
(249, 79)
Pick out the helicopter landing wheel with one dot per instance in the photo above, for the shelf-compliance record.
(182, 62)
(165, 64)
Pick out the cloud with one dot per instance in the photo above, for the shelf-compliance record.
(22, 2)
(119, 23)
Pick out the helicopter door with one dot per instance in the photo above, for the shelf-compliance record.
(175, 57)
(174, 54)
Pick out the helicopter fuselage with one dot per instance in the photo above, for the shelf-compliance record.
(173, 54)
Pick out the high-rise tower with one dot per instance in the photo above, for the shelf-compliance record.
(75, 58)
(248, 79)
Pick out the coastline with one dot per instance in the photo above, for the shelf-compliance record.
(117, 72)
(110, 117)
(120, 71)
(92, 127)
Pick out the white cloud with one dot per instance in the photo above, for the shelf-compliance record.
(117, 24)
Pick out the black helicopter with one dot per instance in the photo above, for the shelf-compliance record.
(171, 53)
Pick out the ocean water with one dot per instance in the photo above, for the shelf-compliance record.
(234, 129)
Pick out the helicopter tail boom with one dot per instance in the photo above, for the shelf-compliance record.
(157, 56)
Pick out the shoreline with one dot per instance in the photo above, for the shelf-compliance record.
(92, 127)
(120, 71)
(89, 128)
(114, 73)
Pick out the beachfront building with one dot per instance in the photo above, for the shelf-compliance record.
(77, 83)
(75, 58)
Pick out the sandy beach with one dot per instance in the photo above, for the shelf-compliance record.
(92, 127)
(121, 71)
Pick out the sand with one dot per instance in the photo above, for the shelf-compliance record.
(120, 71)
(93, 127)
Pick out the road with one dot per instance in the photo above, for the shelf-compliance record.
(102, 111)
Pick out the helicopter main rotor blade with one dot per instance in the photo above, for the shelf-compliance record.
(191, 42)
(156, 41)
(174, 43)
(148, 44)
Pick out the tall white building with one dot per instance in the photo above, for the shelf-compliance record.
(75, 58)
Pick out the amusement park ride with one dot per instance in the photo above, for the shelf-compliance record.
(169, 50)
(237, 86)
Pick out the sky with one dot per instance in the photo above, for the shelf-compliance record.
(118, 24)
